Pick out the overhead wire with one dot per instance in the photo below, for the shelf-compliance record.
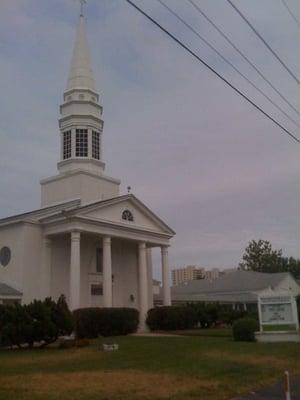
(290, 12)
(263, 76)
(227, 61)
(191, 52)
(264, 41)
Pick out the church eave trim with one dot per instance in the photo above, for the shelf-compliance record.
(66, 225)
(25, 217)
(81, 160)
(75, 101)
(79, 171)
(80, 116)
(81, 89)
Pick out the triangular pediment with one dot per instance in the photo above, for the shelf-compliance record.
(112, 211)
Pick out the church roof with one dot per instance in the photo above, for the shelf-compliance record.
(34, 215)
(6, 290)
(81, 74)
(74, 208)
(85, 209)
(238, 281)
(233, 287)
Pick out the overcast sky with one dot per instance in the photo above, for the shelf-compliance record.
(216, 170)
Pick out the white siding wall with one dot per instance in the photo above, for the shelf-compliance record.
(125, 271)
(13, 237)
(60, 266)
(32, 263)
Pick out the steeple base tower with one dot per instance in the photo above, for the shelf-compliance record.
(82, 185)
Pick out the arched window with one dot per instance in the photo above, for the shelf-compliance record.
(127, 215)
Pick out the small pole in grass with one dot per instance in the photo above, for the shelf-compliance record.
(287, 385)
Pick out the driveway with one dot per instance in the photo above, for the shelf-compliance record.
(275, 392)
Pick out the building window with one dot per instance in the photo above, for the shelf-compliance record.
(67, 146)
(127, 215)
(96, 290)
(96, 145)
(99, 260)
(81, 142)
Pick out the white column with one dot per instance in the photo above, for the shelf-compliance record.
(143, 286)
(46, 268)
(75, 271)
(150, 277)
(165, 276)
(107, 272)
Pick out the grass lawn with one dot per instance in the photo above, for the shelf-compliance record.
(187, 368)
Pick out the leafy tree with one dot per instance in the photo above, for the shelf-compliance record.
(261, 257)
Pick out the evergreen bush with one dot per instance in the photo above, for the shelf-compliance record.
(171, 318)
(244, 329)
(40, 322)
(94, 321)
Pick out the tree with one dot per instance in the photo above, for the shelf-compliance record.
(261, 257)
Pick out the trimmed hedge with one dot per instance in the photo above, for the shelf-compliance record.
(94, 321)
(171, 318)
(244, 329)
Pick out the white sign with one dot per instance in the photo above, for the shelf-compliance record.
(277, 314)
(277, 309)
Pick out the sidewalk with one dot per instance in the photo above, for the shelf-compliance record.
(275, 392)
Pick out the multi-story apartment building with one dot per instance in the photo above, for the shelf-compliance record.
(192, 272)
(188, 273)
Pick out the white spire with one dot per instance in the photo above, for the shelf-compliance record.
(81, 74)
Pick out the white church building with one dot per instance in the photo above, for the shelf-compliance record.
(86, 241)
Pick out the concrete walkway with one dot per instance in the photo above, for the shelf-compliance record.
(275, 392)
(154, 334)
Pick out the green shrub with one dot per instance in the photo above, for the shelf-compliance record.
(92, 322)
(82, 342)
(171, 318)
(16, 326)
(66, 344)
(39, 322)
(244, 329)
(207, 314)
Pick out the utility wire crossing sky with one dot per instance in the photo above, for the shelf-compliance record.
(213, 70)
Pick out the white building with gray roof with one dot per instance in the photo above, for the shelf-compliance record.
(239, 288)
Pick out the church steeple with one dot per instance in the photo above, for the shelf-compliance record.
(81, 124)
(81, 74)
(81, 169)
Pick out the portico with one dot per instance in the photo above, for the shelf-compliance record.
(123, 275)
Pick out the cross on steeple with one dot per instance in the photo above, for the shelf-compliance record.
(82, 3)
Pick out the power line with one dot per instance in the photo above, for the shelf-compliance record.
(227, 61)
(210, 68)
(243, 56)
(290, 12)
(263, 40)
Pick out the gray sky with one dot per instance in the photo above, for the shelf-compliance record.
(217, 171)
